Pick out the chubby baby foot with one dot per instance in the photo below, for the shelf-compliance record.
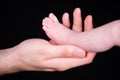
(55, 30)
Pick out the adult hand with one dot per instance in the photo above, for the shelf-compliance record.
(38, 55)
(41, 55)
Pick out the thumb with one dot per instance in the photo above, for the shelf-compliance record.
(63, 51)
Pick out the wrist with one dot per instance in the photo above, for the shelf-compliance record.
(9, 61)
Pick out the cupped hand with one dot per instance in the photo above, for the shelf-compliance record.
(41, 55)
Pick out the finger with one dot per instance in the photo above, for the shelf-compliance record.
(65, 20)
(89, 57)
(67, 63)
(88, 24)
(64, 51)
(77, 20)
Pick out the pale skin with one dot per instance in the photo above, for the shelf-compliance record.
(32, 55)
(97, 40)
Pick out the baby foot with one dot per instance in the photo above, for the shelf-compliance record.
(55, 30)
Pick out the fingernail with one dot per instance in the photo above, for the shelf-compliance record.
(79, 53)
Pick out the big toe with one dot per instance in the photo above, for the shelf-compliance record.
(53, 17)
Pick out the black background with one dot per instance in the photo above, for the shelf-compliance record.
(21, 20)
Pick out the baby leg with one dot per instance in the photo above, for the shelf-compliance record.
(96, 40)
